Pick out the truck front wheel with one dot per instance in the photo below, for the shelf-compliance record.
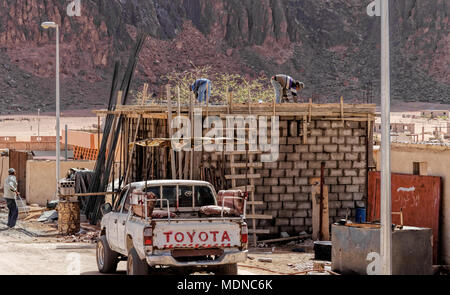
(107, 259)
(136, 266)
(227, 270)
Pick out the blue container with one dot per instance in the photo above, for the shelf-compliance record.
(360, 215)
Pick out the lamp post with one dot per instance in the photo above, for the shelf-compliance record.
(53, 25)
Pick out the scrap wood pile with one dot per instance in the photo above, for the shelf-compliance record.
(81, 237)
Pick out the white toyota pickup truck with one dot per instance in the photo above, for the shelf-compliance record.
(173, 223)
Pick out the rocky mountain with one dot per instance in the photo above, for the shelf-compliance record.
(333, 46)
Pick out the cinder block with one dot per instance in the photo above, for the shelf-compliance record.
(282, 221)
(345, 148)
(338, 140)
(318, 172)
(286, 197)
(352, 140)
(359, 132)
(330, 164)
(363, 140)
(350, 172)
(304, 205)
(293, 128)
(297, 221)
(293, 189)
(275, 205)
(336, 172)
(292, 173)
(337, 124)
(337, 188)
(270, 165)
(306, 189)
(359, 180)
(301, 197)
(334, 204)
(307, 172)
(351, 156)
(362, 172)
(278, 189)
(277, 173)
(286, 149)
(352, 124)
(316, 148)
(332, 213)
(286, 181)
(345, 132)
(322, 157)
(302, 148)
(285, 165)
(271, 198)
(270, 181)
(263, 189)
(290, 205)
(294, 140)
(323, 124)
(330, 148)
(333, 196)
(345, 164)
(311, 140)
(331, 132)
(316, 132)
(281, 157)
(285, 213)
(301, 213)
(314, 164)
(264, 172)
(345, 180)
(301, 164)
(308, 156)
(323, 140)
(293, 157)
(359, 165)
(301, 181)
(345, 196)
(308, 221)
(348, 204)
(358, 196)
(352, 188)
(331, 180)
(337, 156)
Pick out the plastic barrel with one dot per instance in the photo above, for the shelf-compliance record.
(360, 215)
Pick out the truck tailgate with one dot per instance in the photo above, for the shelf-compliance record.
(198, 234)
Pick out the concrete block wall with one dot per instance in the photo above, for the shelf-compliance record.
(284, 185)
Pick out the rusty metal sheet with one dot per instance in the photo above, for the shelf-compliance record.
(418, 196)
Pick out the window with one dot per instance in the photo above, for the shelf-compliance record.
(169, 193)
(420, 168)
(118, 205)
(204, 196)
(185, 196)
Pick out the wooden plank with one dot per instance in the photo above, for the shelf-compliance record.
(315, 197)
(242, 153)
(169, 122)
(259, 231)
(243, 176)
(285, 239)
(256, 203)
(259, 216)
(244, 165)
(244, 188)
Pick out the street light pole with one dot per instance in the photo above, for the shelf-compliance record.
(386, 206)
(47, 25)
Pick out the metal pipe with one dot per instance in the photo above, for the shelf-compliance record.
(65, 144)
(58, 132)
(386, 206)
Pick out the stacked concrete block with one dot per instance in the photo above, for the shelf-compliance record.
(285, 187)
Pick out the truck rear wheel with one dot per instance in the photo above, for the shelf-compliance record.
(227, 270)
(107, 259)
(136, 266)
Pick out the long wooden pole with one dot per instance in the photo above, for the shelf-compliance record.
(169, 126)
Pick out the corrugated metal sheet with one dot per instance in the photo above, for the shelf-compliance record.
(418, 196)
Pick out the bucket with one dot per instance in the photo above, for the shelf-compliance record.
(360, 215)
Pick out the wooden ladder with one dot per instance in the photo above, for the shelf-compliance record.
(250, 175)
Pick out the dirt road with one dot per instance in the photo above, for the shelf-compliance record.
(21, 254)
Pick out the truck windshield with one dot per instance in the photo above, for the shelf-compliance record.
(185, 197)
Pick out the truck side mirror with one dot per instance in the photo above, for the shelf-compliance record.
(106, 208)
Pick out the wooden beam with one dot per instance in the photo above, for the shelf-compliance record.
(286, 239)
(169, 123)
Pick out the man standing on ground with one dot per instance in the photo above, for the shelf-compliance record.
(202, 90)
(10, 194)
(282, 84)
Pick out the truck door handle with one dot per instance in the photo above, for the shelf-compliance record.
(115, 221)
(123, 222)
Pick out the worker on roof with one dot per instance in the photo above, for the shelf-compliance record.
(285, 83)
(202, 90)
(10, 194)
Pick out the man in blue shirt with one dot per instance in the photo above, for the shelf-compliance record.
(202, 90)
(10, 194)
